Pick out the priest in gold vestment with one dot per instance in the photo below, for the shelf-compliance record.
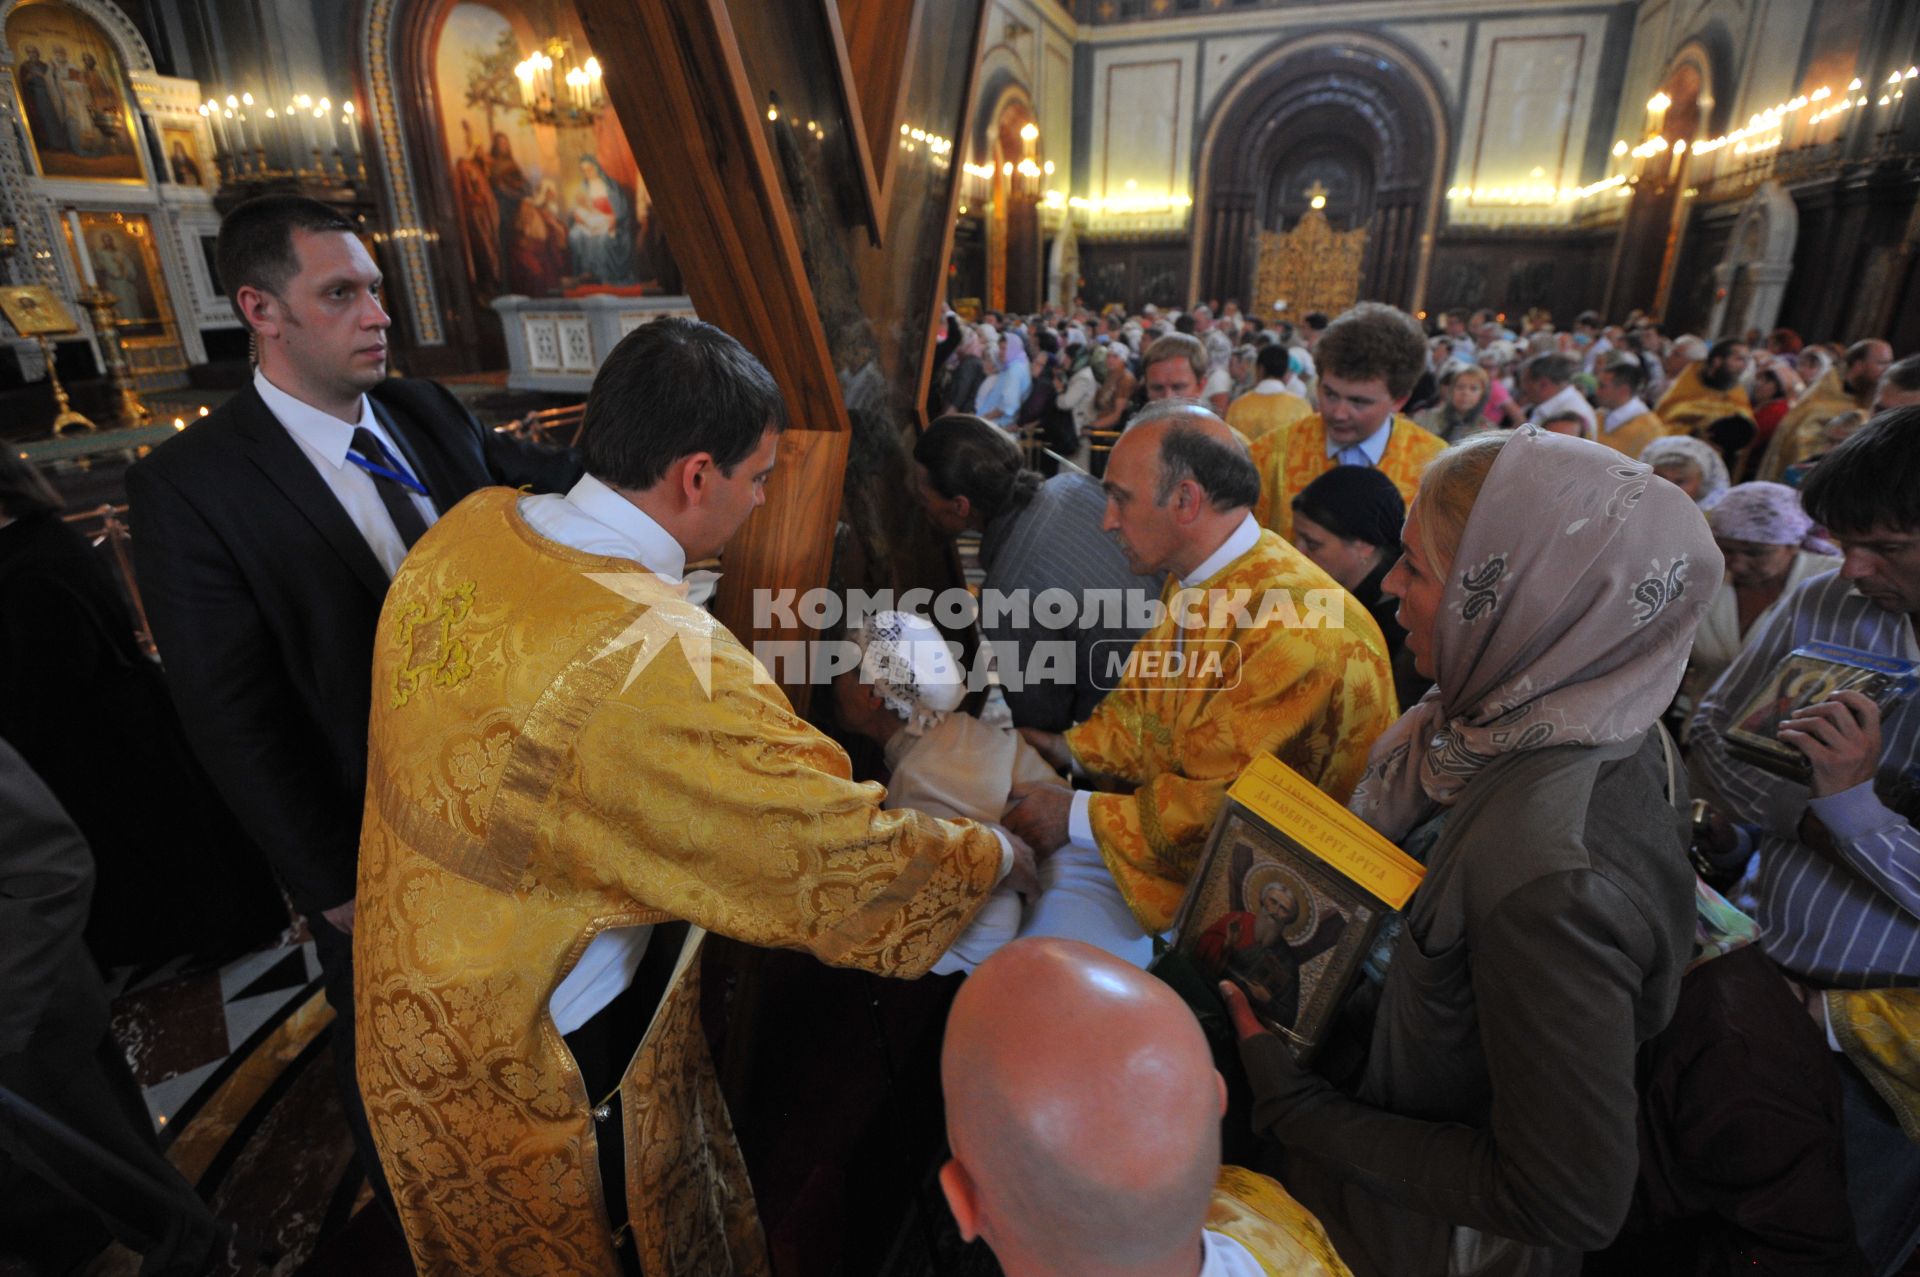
(1258, 652)
(1844, 388)
(1708, 390)
(574, 774)
(1369, 361)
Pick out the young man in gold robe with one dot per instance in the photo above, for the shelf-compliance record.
(1369, 361)
(1258, 652)
(574, 773)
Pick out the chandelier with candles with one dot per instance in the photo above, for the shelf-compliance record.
(557, 92)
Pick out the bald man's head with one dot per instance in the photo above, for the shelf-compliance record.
(1083, 1108)
(1178, 482)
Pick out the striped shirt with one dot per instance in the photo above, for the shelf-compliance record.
(1855, 926)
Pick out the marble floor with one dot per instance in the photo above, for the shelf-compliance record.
(233, 1063)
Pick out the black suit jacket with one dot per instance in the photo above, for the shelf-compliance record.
(264, 599)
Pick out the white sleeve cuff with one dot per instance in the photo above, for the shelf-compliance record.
(1006, 854)
(1080, 821)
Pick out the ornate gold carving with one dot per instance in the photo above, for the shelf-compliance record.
(1311, 267)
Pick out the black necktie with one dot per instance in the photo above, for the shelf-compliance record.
(394, 495)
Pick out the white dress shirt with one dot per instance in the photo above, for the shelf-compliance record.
(1631, 410)
(326, 440)
(594, 519)
(1569, 399)
(1221, 1256)
(1365, 453)
(1242, 539)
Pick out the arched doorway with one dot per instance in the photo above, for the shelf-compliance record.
(1349, 116)
(1013, 217)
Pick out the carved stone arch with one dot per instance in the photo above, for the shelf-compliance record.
(127, 40)
(1004, 75)
(1751, 280)
(1382, 97)
(389, 37)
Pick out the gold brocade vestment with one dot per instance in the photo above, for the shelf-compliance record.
(1311, 686)
(1281, 1234)
(523, 796)
(1801, 433)
(1690, 405)
(1295, 455)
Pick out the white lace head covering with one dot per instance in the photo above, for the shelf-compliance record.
(907, 662)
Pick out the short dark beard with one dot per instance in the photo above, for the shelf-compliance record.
(1717, 376)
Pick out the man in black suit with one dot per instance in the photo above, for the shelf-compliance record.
(265, 537)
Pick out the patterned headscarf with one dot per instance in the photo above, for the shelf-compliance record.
(1766, 514)
(1703, 456)
(907, 662)
(1567, 618)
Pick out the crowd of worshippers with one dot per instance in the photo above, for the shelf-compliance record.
(1652, 1008)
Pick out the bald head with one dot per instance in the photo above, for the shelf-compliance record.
(1178, 483)
(1867, 362)
(1083, 1109)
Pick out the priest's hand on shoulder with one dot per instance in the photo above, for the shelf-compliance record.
(1039, 816)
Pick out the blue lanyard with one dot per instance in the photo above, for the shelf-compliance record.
(392, 470)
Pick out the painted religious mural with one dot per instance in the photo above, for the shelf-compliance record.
(73, 95)
(545, 210)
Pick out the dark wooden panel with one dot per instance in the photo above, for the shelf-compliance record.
(1134, 272)
(701, 140)
(1563, 271)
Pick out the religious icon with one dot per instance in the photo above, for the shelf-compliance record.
(542, 210)
(73, 95)
(1288, 895)
(120, 250)
(183, 157)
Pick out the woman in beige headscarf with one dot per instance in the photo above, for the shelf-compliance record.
(1551, 588)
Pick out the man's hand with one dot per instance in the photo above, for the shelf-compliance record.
(1841, 738)
(1023, 877)
(1051, 746)
(1245, 1023)
(341, 916)
(1039, 816)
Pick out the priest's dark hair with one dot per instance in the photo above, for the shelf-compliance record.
(255, 247)
(1871, 482)
(672, 388)
(968, 457)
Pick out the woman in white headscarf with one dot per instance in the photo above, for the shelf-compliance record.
(1551, 588)
(1770, 547)
(1692, 465)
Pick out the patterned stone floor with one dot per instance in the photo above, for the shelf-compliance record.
(235, 1069)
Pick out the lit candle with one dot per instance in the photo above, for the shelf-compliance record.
(523, 72)
(80, 248)
(352, 121)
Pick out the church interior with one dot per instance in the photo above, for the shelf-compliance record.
(876, 199)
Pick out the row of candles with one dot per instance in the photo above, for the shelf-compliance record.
(305, 126)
